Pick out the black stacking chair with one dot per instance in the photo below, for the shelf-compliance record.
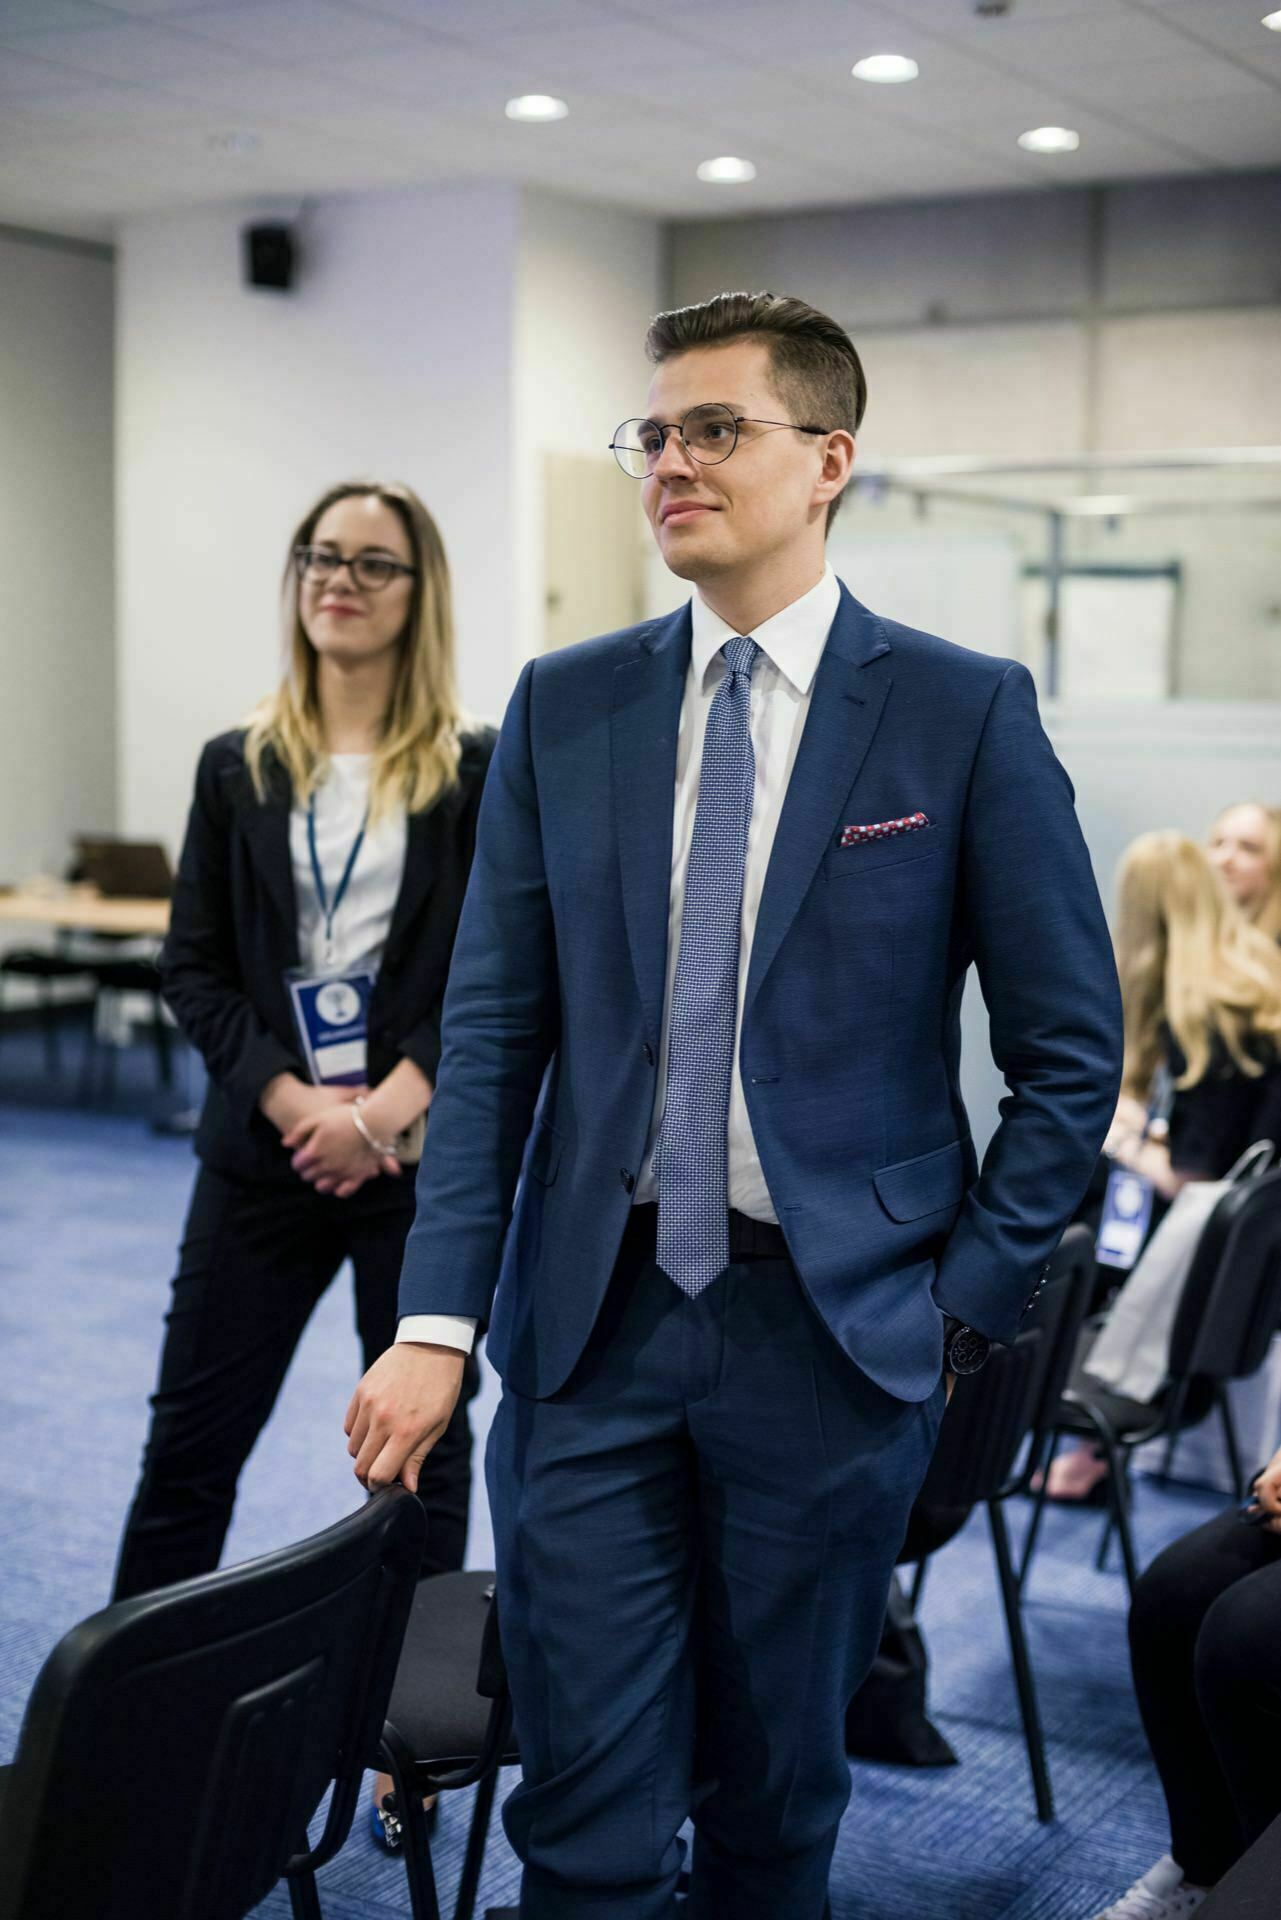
(995, 1433)
(176, 1745)
(449, 1725)
(140, 976)
(1228, 1311)
(45, 970)
(1248, 1891)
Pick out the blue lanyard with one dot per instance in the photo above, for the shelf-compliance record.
(329, 913)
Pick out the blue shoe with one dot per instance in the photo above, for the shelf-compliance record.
(387, 1827)
(385, 1824)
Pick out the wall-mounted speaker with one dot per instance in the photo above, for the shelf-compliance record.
(269, 256)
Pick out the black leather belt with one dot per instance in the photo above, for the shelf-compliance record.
(748, 1239)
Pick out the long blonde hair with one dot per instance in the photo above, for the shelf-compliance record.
(1189, 961)
(1266, 913)
(417, 758)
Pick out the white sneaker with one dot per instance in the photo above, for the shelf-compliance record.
(1160, 1895)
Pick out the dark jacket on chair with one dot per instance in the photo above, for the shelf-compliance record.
(233, 935)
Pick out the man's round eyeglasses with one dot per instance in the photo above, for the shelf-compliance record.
(709, 434)
(369, 571)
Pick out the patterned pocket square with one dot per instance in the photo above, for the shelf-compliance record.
(882, 830)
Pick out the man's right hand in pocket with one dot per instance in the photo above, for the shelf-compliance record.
(399, 1411)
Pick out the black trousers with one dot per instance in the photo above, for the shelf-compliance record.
(1206, 1653)
(255, 1261)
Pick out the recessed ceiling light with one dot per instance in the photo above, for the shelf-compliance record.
(886, 69)
(1272, 20)
(536, 106)
(727, 172)
(235, 140)
(1050, 140)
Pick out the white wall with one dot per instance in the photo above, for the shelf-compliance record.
(1119, 320)
(589, 280)
(237, 407)
(57, 642)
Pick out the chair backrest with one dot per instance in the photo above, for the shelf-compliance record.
(176, 1745)
(1231, 1300)
(1015, 1395)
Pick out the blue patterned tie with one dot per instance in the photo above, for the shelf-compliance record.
(693, 1150)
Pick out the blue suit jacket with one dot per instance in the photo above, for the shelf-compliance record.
(850, 1039)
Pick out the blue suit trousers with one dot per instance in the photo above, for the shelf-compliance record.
(695, 1538)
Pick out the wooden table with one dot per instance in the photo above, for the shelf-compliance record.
(82, 909)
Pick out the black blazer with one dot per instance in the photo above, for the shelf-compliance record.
(233, 933)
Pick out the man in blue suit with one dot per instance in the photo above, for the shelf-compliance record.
(702, 1030)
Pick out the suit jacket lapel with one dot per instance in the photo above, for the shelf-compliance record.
(265, 825)
(645, 723)
(850, 690)
(422, 862)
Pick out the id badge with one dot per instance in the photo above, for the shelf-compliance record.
(1127, 1210)
(331, 1013)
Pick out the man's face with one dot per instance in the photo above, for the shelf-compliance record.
(711, 520)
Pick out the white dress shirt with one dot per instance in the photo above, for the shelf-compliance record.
(791, 644)
(363, 921)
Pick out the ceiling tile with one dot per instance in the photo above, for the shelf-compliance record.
(307, 32)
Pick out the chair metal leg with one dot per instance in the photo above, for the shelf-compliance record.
(160, 1039)
(1230, 1439)
(1176, 1428)
(415, 1844)
(1023, 1681)
(1118, 1507)
(477, 1837)
(304, 1900)
(1038, 1510)
(918, 1583)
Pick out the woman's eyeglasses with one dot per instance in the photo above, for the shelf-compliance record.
(369, 571)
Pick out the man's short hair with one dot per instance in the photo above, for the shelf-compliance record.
(814, 365)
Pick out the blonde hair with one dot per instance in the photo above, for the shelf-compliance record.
(1266, 913)
(1189, 961)
(417, 758)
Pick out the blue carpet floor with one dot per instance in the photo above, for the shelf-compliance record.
(91, 1205)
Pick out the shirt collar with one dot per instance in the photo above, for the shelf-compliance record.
(792, 639)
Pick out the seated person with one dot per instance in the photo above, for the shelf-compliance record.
(1201, 993)
(1206, 1659)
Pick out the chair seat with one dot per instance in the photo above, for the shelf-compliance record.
(128, 976)
(435, 1707)
(33, 963)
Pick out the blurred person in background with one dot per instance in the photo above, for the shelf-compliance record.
(1207, 1671)
(1201, 993)
(1244, 845)
(314, 914)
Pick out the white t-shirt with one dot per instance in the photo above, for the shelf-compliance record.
(363, 919)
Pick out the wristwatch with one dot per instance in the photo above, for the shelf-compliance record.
(965, 1349)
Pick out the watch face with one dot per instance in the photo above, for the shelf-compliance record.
(968, 1351)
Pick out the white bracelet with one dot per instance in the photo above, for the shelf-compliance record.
(380, 1147)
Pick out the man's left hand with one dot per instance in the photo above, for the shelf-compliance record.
(950, 1379)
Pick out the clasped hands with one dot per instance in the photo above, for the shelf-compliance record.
(318, 1130)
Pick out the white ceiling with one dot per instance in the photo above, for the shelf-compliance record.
(112, 109)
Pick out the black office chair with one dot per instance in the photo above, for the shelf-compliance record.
(449, 1725)
(1248, 1891)
(176, 1745)
(1228, 1311)
(995, 1433)
(45, 971)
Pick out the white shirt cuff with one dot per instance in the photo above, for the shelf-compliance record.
(439, 1330)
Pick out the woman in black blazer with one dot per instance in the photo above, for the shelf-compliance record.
(361, 750)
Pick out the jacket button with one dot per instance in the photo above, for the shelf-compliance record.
(649, 1054)
(628, 1179)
